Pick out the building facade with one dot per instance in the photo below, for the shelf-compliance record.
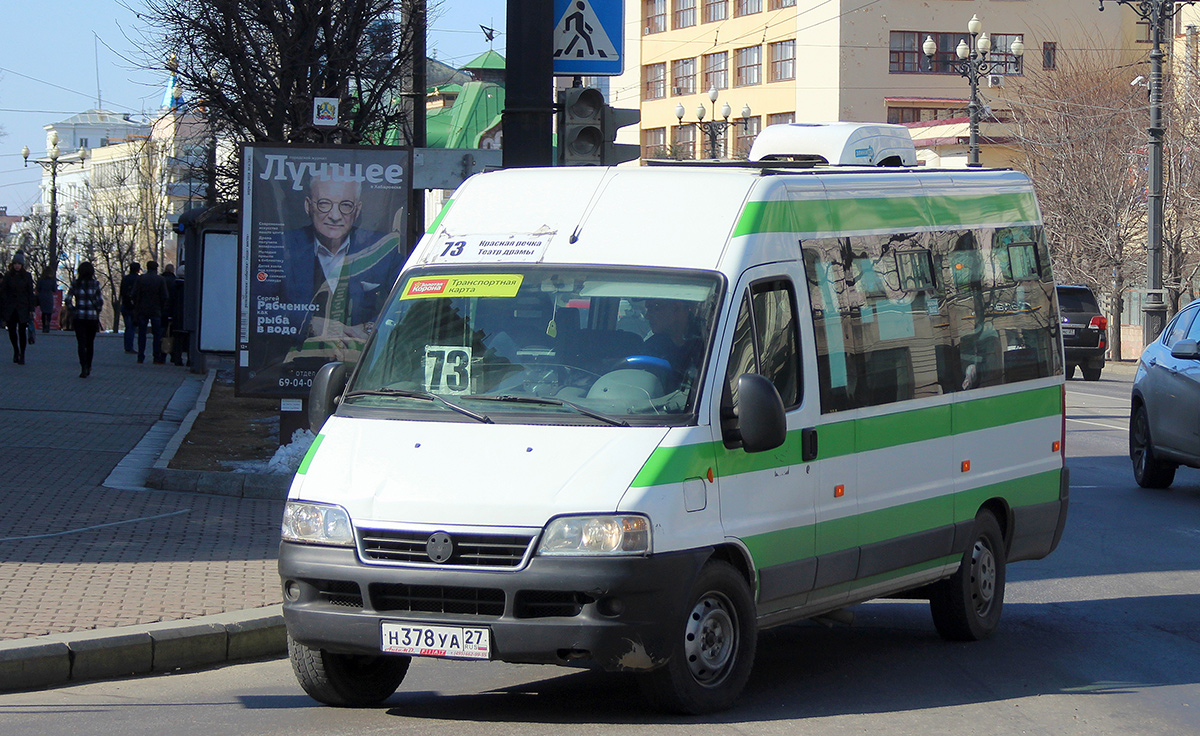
(805, 61)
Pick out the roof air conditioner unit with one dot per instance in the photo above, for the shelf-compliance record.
(995, 80)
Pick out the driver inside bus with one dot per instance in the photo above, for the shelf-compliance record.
(673, 337)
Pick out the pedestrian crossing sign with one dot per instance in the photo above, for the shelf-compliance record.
(587, 38)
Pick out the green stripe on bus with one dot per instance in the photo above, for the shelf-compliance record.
(676, 464)
(308, 456)
(433, 226)
(890, 213)
(792, 545)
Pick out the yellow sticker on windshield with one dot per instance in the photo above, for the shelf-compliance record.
(501, 285)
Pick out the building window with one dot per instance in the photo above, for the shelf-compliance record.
(902, 115)
(685, 13)
(749, 66)
(656, 16)
(683, 77)
(1143, 32)
(83, 142)
(1049, 55)
(683, 142)
(715, 10)
(716, 70)
(783, 60)
(654, 81)
(746, 135)
(654, 143)
(777, 4)
(907, 55)
(781, 118)
(746, 7)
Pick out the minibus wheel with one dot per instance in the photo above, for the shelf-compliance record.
(713, 645)
(966, 606)
(346, 680)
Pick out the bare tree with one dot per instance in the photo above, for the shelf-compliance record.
(115, 225)
(255, 66)
(1081, 144)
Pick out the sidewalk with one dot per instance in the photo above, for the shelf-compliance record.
(100, 576)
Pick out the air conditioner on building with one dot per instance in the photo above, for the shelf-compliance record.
(995, 80)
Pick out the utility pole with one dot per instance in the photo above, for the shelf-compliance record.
(1157, 14)
(529, 84)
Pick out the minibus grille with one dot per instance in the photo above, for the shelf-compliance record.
(468, 550)
(437, 599)
(338, 592)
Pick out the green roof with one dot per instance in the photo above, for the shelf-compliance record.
(487, 60)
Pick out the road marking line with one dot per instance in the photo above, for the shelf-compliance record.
(91, 528)
(1119, 428)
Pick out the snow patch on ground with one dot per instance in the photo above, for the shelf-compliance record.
(285, 461)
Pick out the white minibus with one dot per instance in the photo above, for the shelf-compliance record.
(626, 418)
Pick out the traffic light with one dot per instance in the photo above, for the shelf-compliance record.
(614, 119)
(581, 116)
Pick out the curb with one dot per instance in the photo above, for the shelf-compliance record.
(238, 485)
(57, 659)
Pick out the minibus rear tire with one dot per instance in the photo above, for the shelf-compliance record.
(966, 606)
(717, 624)
(346, 680)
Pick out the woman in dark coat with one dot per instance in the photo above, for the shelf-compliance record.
(17, 299)
(87, 299)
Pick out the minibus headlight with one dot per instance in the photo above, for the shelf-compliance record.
(596, 535)
(317, 523)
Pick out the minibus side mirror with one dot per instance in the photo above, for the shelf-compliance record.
(761, 419)
(327, 386)
(1186, 349)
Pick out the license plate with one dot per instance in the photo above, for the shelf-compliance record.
(1068, 332)
(423, 640)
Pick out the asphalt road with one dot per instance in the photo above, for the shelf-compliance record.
(1102, 637)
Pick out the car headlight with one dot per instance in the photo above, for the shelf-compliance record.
(596, 535)
(317, 523)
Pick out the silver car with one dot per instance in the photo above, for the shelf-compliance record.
(1164, 422)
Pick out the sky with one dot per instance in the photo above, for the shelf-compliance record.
(54, 54)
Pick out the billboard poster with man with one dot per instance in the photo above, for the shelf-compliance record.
(322, 244)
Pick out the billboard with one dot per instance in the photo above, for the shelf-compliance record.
(322, 242)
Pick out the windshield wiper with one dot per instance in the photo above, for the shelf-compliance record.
(553, 402)
(424, 396)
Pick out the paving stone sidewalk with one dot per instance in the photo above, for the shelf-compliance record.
(76, 555)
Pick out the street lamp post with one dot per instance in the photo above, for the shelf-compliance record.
(1157, 14)
(714, 128)
(973, 64)
(51, 163)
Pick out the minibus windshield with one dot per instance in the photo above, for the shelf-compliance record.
(604, 345)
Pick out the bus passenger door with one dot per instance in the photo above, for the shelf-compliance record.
(767, 497)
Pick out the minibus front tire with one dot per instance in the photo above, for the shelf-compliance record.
(714, 641)
(966, 606)
(346, 680)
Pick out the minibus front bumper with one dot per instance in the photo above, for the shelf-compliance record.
(610, 612)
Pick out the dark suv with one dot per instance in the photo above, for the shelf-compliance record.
(1084, 331)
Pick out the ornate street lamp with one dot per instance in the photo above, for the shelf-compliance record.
(973, 64)
(715, 129)
(51, 164)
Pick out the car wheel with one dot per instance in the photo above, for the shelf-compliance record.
(966, 606)
(1148, 471)
(713, 646)
(346, 680)
(1091, 374)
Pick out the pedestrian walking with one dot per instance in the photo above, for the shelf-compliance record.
(17, 298)
(47, 285)
(86, 300)
(127, 284)
(150, 299)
